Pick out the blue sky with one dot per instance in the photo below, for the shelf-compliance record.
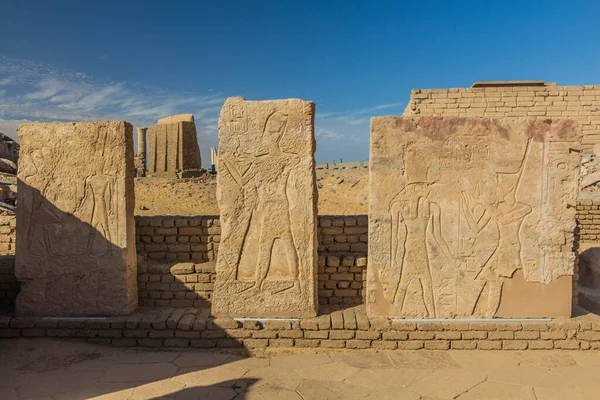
(142, 60)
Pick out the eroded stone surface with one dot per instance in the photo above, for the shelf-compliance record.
(471, 217)
(266, 191)
(173, 146)
(76, 236)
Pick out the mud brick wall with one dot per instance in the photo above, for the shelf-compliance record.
(180, 285)
(8, 228)
(588, 220)
(166, 246)
(343, 242)
(167, 239)
(9, 287)
(350, 329)
(580, 103)
(587, 235)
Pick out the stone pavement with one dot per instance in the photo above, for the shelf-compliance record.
(53, 369)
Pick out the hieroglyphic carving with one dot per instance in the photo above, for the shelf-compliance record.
(266, 193)
(458, 206)
(76, 247)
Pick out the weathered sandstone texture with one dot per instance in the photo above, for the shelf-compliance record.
(266, 190)
(76, 238)
(173, 147)
(472, 217)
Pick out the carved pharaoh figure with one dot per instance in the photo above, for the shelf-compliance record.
(267, 179)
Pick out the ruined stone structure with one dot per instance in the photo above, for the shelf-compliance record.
(173, 147)
(76, 240)
(266, 190)
(483, 226)
(9, 149)
(535, 99)
(140, 156)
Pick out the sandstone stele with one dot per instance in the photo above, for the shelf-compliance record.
(266, 190)
(76, 238)
(472, 217)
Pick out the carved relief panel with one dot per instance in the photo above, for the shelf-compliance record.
(464, 211)
(76, 239)
(266, 191)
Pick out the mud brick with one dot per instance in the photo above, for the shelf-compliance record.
(333, 344)
(135, 333)
(281, 342)
(501, 335)
(154, 343)
(334, 334)
(514, 344)
(384, 345)
(410, 345)
(395, 335)
(316, 334)
(124, 342)
(255, 343)
(463, 344)
(307, 343)
(553, 335)
(448, 335)
(204, 343)
(437, 344)
(358, 344)
(489, 345)
(371, 335)
(264, 334)
(187, 334)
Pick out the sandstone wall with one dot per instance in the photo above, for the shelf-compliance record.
(580, 103)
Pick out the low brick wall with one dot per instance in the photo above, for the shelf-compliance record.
(179, 285)
(168, 245)
(588, 220)
(164, 239)
(349, 328)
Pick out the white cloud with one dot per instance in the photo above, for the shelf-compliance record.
(328, 133)
(43, 93)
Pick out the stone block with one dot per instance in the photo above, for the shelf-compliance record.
(267, 259)
(76, 226)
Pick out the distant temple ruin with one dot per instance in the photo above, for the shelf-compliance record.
(173, 149)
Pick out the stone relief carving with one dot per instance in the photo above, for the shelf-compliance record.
(76, 251)
(456, 210)
(266, 193)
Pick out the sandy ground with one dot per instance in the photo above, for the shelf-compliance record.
(341, 192)
(61, 370)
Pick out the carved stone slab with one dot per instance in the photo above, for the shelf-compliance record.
(76, 237)
(173, 147)
(266, 191)
(471, 217)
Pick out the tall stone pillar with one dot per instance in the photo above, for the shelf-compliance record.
(141, 149)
